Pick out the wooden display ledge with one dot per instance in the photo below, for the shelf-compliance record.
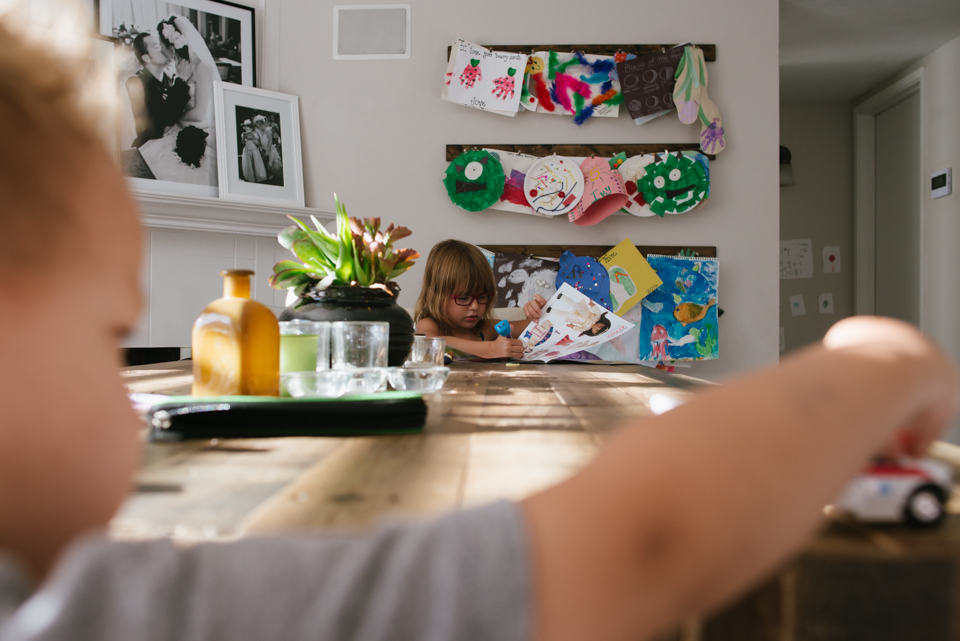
(709, 51)
(596, 251)
(582, 151)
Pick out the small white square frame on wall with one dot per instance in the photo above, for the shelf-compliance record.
(371, 32)
(258, 146)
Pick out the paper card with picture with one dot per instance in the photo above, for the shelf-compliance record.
(169, 56)
(483, 79)
(570, 322)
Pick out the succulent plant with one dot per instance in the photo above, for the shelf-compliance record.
(359, 254)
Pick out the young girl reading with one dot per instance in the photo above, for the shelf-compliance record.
(456, 302)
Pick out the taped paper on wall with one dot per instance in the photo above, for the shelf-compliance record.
(796, 259)
(797, 307)
(831, 260)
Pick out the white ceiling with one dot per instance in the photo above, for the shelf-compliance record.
(836, 50)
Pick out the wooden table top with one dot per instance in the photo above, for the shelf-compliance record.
(494, 431)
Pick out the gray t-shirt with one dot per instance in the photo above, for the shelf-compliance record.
(462, 577)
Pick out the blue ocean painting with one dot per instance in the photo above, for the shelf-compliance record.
(679, 318)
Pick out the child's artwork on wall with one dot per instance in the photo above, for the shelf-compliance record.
(578, 85)
(570, 323)
(631, 277)
(796, 258)
(553, 186)
(647, 82)
(632, 170)
(586, 275)
(679, 320)
(693, 103)
(519, 278)
(483, 79)
(673, 184)
(474, 181)
(603, 192)
(515, 168)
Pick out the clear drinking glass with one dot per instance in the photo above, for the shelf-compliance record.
(427, 351)
(359, 344)
(304, 346)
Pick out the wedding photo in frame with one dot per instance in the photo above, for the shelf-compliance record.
(170, 55)
(258, 146)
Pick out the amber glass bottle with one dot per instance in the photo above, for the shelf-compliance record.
(236, 343)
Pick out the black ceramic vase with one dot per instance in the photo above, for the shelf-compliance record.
(359, 304)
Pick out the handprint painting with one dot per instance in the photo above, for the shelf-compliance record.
(679, 318)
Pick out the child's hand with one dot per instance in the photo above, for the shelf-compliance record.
(505, 347)
(532, 309)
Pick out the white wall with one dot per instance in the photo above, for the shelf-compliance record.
(375, 131)
(941, 149)
(820, 207)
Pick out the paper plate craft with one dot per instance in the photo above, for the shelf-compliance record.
(578, 85)
(679, 318)
(587, 276)
(519, 278)
(474, 181)
(515, 168)
(603, 193)
(632, 170)
(553, 186)
(673, 184)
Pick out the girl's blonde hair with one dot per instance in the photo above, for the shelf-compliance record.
(453, 267)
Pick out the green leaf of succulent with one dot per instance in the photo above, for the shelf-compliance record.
(305, 250)
(289, 235)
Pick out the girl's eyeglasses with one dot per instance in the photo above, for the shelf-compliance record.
(464, 301)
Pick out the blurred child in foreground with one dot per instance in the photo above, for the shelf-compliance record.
(674, 517)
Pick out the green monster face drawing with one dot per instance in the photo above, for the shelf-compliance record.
(673, 185)
(474, 181)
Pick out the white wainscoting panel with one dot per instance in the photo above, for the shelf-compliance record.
(181, 275)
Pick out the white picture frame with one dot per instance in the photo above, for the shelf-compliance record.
(369, 31)
(241, 177)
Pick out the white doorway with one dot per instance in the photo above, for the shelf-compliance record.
(888, 149)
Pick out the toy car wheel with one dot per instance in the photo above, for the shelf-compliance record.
(925, 506)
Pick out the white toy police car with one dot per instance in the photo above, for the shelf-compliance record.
(894, 491)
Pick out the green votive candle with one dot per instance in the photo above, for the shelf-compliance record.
(300, 346)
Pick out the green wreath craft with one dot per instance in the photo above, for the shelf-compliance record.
(474, 181)
(673, 184)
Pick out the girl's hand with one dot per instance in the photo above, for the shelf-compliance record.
(532, 309)
(505, 347)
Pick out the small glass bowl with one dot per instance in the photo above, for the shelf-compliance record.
(418, 379)
(326, 383)
(365, 380)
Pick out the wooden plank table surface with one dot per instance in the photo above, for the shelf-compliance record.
(505, 431)
(494, 431)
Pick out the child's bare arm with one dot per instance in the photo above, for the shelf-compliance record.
(682, 511)
(499, 348)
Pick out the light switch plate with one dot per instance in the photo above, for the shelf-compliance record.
(941, 183)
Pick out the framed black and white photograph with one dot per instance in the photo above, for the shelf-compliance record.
(258, 138)
(170, 56)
